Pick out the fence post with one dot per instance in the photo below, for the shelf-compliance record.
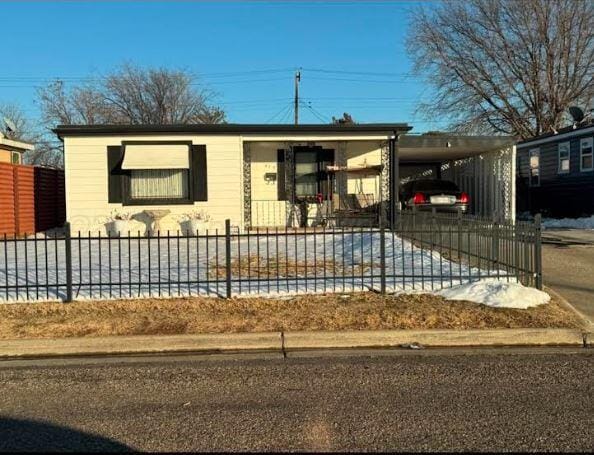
(433, 226)
(495, 242)
(68, 252)
(459, 219)
(228, 257)
(538, 250)
(383, 260)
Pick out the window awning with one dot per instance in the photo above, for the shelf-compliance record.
(157, 156)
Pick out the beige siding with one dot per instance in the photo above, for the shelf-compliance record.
(360, 153)
(5, 156)
(87, 192)
(266, 209)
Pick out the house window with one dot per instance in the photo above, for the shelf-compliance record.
(311, 177)
(586, 163)
(564, 152)
(156, 173)
(534, 167)
(159, 184)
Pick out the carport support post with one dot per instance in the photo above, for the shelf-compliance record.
(538, 250)
(394, 178)
(68, 253)
(228, 258)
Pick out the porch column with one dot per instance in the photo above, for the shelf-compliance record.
(247, 185)
(384, 189)
(340, 159)
(292, 216)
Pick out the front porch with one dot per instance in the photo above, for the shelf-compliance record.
(315, 183)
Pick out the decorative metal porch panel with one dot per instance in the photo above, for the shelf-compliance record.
(385, 179)
(489, 179)
(340, 159)
(247, 185)
(293, 216)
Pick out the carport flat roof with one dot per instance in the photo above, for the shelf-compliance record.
(445, 147)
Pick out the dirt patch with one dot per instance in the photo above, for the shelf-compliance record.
(283, 267)
(362, 311)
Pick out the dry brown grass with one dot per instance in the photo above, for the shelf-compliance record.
(281, 267)
(363, 311)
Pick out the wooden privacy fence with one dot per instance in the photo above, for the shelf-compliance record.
(32, 199)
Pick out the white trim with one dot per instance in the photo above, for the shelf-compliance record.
(556, 137)
(589, 142)
(305, 138)
(16, 144)
(559, 170)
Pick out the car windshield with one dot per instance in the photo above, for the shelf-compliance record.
(432, 185)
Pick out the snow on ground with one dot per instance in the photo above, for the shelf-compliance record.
(498, 294)
(141, 267)
(572, 223)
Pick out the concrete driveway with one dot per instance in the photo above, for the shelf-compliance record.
(568, 267)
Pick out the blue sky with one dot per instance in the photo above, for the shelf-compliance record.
(352, 54)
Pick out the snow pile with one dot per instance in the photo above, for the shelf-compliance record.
(573, 223)
(497, 294)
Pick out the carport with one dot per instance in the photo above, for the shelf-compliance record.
(482, 166)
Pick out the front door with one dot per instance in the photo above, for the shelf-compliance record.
(311, 178)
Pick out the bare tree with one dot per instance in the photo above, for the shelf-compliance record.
(131, 95)
(505, 66)
(47, 152)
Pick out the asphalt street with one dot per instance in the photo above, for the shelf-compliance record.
(538, 399)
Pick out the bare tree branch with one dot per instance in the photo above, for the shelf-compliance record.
(131, 95)
(505, 66)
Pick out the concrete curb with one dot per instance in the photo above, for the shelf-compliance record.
(139, 344)
(282, 342)
(433, 338)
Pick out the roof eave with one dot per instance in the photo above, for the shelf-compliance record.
(76, 130)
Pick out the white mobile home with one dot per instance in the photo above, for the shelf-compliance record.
(261, 176)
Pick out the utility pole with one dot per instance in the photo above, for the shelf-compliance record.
(297, 80)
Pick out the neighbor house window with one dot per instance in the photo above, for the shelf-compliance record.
(564, 152)
(158, 173)
(586, 163)
(534, 167)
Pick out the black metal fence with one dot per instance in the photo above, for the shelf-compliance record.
(424, 251)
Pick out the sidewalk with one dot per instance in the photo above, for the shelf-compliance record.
(570, 272)
(277, 341)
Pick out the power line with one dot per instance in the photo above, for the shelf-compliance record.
(317, 114)
(378, 81)
(360, 73)
(287, 107)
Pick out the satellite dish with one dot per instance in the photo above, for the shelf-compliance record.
(10, 126)
(576, 113)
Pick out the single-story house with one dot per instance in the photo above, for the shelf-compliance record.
(267, 176)
(556, 173)
(11, 151)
